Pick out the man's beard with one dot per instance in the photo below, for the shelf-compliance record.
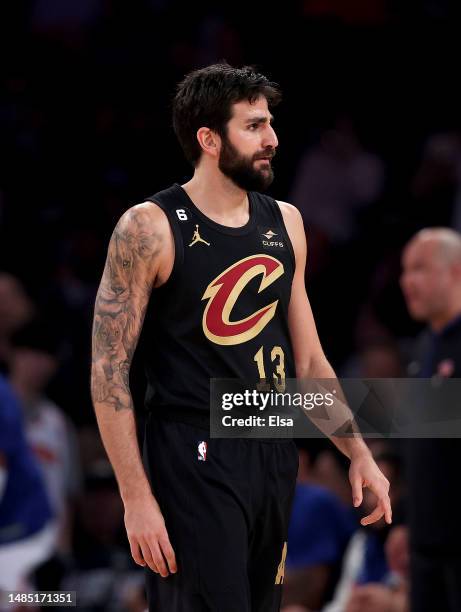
(241, 170)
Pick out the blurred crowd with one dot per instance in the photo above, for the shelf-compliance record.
(86, 133)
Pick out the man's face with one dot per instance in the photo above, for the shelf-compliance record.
(426, 279)
(249, 146)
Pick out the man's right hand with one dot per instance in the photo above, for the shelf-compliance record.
(148, 537)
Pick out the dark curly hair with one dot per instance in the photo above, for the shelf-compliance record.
(204, 98)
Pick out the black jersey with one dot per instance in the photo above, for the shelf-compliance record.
(223, 312)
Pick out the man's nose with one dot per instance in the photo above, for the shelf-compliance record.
(270, 138)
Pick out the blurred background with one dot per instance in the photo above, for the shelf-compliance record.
(370, 152)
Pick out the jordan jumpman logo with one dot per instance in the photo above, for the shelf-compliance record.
(197, 238)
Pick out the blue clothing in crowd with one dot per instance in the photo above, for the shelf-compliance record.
(374, 567)
(24, 505)
(320, 527)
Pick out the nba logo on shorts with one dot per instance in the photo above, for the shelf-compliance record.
(202, 447)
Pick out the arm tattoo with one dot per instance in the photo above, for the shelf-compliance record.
(120, 307)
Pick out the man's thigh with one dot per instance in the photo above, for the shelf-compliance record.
(205, 503)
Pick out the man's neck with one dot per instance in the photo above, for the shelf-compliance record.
(218, 197)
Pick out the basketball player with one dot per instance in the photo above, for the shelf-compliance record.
(213, 273)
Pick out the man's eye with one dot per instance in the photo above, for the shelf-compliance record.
(253, 126)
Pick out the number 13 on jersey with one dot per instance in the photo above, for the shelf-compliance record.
(277, 358)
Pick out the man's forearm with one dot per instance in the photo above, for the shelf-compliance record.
(118, 433)
(351, 445)
(113, 406)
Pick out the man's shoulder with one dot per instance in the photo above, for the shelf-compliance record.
(290, 214)
(287, 207)
(144, 212)
(143, 219)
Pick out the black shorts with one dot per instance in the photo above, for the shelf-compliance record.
(226, 504)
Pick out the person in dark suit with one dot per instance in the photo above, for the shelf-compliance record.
(431, 284)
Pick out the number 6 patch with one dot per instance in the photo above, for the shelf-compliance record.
(182, 215)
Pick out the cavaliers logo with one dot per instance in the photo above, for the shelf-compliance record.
(223, 292)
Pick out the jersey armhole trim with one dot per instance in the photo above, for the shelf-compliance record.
(279, 215)
(178, 244)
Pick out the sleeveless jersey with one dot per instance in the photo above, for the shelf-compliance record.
(223, 312)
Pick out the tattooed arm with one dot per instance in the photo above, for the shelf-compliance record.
(140, 252)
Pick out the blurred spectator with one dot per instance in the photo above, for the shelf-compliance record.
(431, 283)
(34, 361)
(27, 528)
(319, 530)
(15, 309)
(379, 358)
(367, 583)
(334, 181)
(398, 551)
(332, 471)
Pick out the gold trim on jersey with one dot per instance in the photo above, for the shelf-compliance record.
(281, 568)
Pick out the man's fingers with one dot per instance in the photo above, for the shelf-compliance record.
(168, 553)
(387, 510)
(377, 513)
(159, 560)
(136, 553)
(387, 507)
(357, 494)
(147, 554)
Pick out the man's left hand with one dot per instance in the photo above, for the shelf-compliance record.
(364, 472)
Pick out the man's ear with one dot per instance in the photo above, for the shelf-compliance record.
(209, 141)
